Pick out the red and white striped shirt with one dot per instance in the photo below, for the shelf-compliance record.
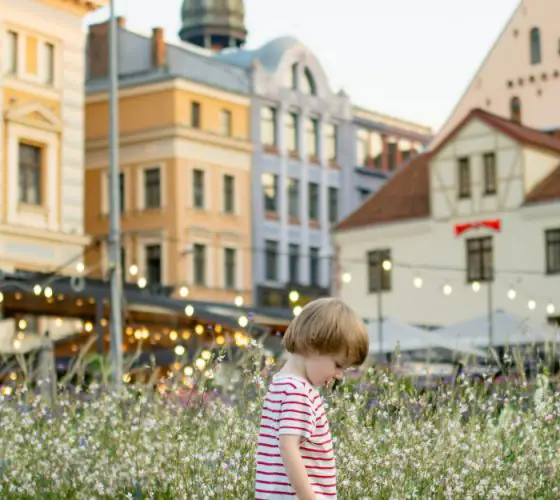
(293, 406)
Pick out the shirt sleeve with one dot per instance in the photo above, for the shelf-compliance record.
(296, 415)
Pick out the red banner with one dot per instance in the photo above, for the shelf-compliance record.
(495, 225)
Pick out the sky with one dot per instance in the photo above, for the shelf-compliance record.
(411, 59)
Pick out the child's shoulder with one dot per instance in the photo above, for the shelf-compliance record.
(291, 383)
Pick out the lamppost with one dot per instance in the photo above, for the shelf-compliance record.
(385, 266)
(114, 212)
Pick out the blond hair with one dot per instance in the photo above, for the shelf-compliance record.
(328, 326)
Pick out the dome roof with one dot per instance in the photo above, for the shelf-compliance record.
(213, 23)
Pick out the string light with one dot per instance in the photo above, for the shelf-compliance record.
(142, 282)
(418, 282)
(188, 371)
(22, 324)
(80, 267)
(511, 294)
(88, 327)
(184, 291)
(387, 265)
(532, 305)
(550, 309)
(37, 289)
(189, 310)
(238, 301)
(200, 364)
(293, 296)
(475, 286)
(447, 289)
(48, 292)
(199, 329)
(179, 350)
(346, 278)
(243, 321)
(1, 297)
(173, 335)
(133, 270)
(206, 355)
(297, 310)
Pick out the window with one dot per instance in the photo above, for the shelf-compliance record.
(309, 86)
(312, 137)
(152, 188)
(490, 177)
(363, 193)
(268, 127)
(293, 198)
(195, 114)
(392, 153)
(376, 150)
(199, 261)
(464, 178)
(292, 77)
(480, 256)
(535, 41)
(153, 264)
(229, 194)
(291, 125)
(515, 109)
(332, 140)
(198, 188)
(270, 189)
(49, 61)
(225, 122)
(314, 266)
(271, 260)
(293, 263)
(30, 163)
(333, 205)
(405, 147)
(11, 53)
(313, 201)
(379, 278)
(552, 241)
(122, 192)
(230, 258)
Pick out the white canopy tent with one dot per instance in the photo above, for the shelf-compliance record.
(409, 338)
(507, 330)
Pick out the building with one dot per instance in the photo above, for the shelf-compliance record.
(383, 143)
(42, 134)
(300, 166)
(185, 156)
(519, 77)
(470, 227)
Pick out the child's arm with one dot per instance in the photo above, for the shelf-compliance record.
(295, 468)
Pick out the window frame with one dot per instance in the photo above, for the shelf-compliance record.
(293, 187)
(199, 261)
(230, 274)
(226, 122)
(198, 188)
(550, 245)
(196, 115)
(271, 260)
(149, 261)
(314, 209)
(464, 189)
(314, 266)
(294, 259)
(375, 259)
(535, 46)
(476, 247)
(36, 171)
(490, 174)
(312, 137)
(149, 185)
(270, 203)
(333, 211)
(13, 56)
(291, 129)
(269, 125)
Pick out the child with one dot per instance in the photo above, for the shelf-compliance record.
(295, 456)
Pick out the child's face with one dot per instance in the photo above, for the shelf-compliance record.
(324, 369)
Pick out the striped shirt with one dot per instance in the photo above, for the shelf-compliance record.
(293, 406)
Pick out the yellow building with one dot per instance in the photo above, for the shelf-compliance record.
(185, 159)
(41, 133)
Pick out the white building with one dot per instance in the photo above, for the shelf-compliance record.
(487, 200)
(520, 75)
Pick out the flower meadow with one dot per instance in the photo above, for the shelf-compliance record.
(189, 439)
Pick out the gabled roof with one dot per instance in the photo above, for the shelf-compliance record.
(405, 196)
(520, 133)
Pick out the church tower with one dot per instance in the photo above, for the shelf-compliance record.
(214, 24)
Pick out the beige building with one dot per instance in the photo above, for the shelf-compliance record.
(185, 167)
(42, 47)
(520, 76)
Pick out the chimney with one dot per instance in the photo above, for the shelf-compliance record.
(159, 49)
(98, 48)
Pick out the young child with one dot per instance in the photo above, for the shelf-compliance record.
(295, 456)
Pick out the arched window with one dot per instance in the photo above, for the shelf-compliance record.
(536, 46)
(515, 109)
(309, 86)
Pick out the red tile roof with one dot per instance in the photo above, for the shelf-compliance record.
(546, 190)
(407, 194)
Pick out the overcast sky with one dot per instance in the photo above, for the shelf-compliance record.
(407, 58)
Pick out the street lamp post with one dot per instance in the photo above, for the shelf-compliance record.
(114, 210)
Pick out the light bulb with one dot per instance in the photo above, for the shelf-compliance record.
(184, 291)
(476, 286)
(293, 296)
(418, 282)
(532, 305)
(133, 270)
(80, 267)
(297, 310)
(346, 278)
(243, 321)
(179, 350)
(189, 310)
(511, 294)
(142, 283)
(387, 265)
(550, 309)
(447, 289)
(238, 301)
